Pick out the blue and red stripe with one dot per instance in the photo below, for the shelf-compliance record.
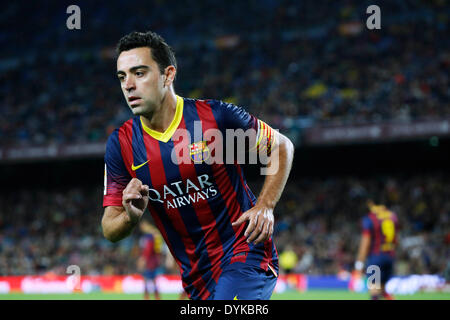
(376, 233)
(228, 191)
(234, 183)
(217, 205)
(188, 220)
(205, 216)
(175, 233)
(125, 140)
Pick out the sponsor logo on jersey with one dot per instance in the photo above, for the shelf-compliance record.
(182, 193)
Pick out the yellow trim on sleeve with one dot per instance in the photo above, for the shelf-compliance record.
(258, 137)
(166, 135)
(260, 132)
(266, 132)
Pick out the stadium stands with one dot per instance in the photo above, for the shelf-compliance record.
(47, 230)
(294, 63)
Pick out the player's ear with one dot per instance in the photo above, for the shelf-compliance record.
(169, 73)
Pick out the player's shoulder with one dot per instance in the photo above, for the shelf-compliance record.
(368, 217)
(230, 110)
(210, 103)
(203, 103)
(124, 131)
(366, 222)
(125, 128)
(218, 109)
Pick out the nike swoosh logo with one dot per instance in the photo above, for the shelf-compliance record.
(235, 298)
(134, 168)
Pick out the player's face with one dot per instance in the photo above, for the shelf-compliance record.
(141, 81)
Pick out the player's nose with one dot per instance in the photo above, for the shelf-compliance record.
(129, 84)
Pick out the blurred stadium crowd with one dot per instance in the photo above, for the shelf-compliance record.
(292, 63)
(47, 230)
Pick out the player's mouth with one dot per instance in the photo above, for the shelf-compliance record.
(133, 100)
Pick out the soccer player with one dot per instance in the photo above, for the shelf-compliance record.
(219, 233)
(377, 245)
(150, 258)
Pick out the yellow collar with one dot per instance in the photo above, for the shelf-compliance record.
(166, 135)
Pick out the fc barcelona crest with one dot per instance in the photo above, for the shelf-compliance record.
(199, 151)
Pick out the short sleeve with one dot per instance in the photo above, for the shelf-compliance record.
(366, 225)
(116, 177)
(235, 117)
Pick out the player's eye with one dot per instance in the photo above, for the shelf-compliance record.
(139, 73)
(121, 78)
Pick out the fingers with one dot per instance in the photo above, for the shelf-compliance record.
(127, 197)
(134, 190)
(260, 227)
(253, 228)
(145, 190)
(270, 230)
(241, 219)
(264, 235)
(134, 185)
(135, 197)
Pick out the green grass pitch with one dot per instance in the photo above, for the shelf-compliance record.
(291, 295)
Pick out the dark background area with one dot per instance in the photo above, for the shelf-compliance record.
(401, 158)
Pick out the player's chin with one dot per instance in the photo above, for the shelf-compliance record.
(137, 110)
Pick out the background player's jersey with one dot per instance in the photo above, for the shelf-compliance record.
(150, 250)
(192, 203)
(382, 226)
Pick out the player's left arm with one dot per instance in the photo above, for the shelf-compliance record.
(280, 151)
(364, 245)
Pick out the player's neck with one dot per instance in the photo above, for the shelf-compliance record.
(161, 119)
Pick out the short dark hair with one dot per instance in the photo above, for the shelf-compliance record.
(162, 53)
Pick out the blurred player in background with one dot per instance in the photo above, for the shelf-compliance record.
(150, 259)
(171, 266)
(288, 259)
(377, 246)
(219, 233)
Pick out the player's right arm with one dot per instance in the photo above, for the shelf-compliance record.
(124, 198)
(364, 245)
(119, 221)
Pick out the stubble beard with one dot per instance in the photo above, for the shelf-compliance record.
(145, 110)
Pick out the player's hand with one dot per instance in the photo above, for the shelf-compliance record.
(135, 199)
(260, 227)
(357, 274)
